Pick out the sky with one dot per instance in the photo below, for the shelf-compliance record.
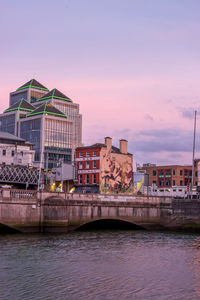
(132, 65)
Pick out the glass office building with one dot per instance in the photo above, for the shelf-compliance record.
(51, 133)
(48, 119)
(30, 91)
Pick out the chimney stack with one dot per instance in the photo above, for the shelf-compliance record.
(123, 146)
(108, 142)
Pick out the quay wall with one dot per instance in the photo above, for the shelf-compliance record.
(32, 211)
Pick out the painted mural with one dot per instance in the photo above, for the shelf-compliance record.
(116, 173)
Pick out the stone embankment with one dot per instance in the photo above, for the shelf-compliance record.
(32, 211)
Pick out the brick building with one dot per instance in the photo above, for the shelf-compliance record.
(172, 175)
(104, 168)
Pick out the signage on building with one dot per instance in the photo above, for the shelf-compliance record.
(87, 158)
(88, 171)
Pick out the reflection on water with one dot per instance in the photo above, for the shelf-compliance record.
(100, 265)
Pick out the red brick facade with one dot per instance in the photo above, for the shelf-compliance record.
(88, 165)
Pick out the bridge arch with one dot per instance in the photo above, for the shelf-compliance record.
(109, 224)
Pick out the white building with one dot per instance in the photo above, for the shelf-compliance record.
(15, 150)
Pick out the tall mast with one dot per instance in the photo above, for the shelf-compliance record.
(194, 140)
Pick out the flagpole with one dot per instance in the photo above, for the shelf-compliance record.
(194, 141)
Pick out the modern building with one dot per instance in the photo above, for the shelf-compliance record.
(104, 168)
(48, 119)
(51, 133)
(169, 176)
(30, 91)
(9, 120)
(16, 161)
(66, 106)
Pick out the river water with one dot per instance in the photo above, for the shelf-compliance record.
(100, 265)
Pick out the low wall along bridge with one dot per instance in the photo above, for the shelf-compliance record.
(32, 211)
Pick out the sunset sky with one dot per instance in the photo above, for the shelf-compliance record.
(132, 65)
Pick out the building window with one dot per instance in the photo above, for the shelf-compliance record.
(12, 153)
(94, 164)
(181, 172)
(87, 164)
(174, 182)
(87, 154)
(94, 178)
(80, 165)
(95, 153)
(22, 153)
(174, 172)
(154, 172)
(80, 178)
(196, 174)
(181, 182)
(4, 152)
(87, 179)
(80, 154)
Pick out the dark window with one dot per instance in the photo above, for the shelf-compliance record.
(87, 164)
(12, 153)
(154, 172)
(161, 182)
(87, 178)
(161, 173)
(174, 172)
(22, 153)
(95, 153)
(80, 178)
(81, 154)
(181, 172)
(174, 182)
(181, 182)
(196, 174)
(94, 178)
(4, 152)
(87, 153)
(94, 164)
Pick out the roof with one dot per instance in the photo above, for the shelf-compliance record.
(47, 108)
(99, 145)
(33, 84)
(55, 94)
(21, 105)
(162, 167)
(9, 136)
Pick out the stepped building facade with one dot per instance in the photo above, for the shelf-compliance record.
(47, 119)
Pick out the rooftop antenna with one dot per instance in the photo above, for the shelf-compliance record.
(194, 140)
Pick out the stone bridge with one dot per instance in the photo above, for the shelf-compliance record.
(32, 211)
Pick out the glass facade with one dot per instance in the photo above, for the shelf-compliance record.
(30, 131)
(7, 123)
(36, 95)
(58, 133)
(16, 97)
(58, 142)
(72, 112)
(69, 110)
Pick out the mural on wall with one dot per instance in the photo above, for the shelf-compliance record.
(116, 173)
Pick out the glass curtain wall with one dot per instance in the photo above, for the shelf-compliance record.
(58, 142)
(18, 96)
(7, 124)
(31, 132)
